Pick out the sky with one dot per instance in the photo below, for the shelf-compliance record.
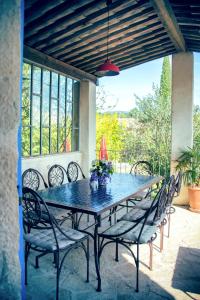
(120, 90)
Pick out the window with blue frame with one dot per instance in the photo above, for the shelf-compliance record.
(50, 112)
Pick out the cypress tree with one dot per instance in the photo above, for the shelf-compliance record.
(165, 79)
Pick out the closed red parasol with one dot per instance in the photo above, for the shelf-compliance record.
(103, 154)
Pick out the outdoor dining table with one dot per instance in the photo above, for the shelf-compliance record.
(81, 196)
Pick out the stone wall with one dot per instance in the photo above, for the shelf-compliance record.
(9, 122)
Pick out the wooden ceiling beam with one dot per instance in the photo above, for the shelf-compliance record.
(121, 47)
(87, 38)
(42, 59)
(69, 12)
(63, 27)
(37, 8)
(134, 56)
(162, 40)
(167, 17)
(101, 49)
(115, 40)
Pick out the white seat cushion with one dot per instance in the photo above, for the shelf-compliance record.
(45, 239)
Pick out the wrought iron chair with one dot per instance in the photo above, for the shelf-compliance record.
(175, 193)
(146, 203)
(74, 171)
(56, 175)
(32, 179)
(141, 167)
(178, 183)
(141, 231)
(48, 237)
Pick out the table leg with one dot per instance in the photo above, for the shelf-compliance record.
(96, 257)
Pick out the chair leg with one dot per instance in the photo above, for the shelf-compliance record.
(88, 260)
(117, 251)
(161, 236)
(37, 260)
(137, 269)
(57, 274)
(26, 261)
(127, 206)
(169, 220)
(151, 256)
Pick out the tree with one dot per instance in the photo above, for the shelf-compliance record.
(108, 125)
(196, 124)
(165, 79)
(150, 139)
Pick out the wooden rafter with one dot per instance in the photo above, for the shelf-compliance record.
(167, 16)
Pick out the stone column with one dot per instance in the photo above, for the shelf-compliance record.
(10, 284)
(87, 124)
(182, 110)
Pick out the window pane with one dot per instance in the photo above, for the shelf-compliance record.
(26, 94)
(62, 140)
(62, 87)
(25, 141)
(46, 77)
(69, 89)
(54, 115)
(45, 98)
(36, 111)
(35, 140)
(54, 87)
(36, 79)
(45, 140)
(62, 102)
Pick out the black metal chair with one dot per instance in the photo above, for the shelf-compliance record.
(141, 167)
(56, 175)
(146, 203)
(48, 237)
(175, 191)
(178, 183)
(141, 231)
(74, 171)
(32, 179)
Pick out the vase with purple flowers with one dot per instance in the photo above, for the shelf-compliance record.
(101, 171)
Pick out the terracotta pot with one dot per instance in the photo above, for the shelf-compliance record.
(194, 198)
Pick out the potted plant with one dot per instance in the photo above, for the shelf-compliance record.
(101, 171)
(189, 164)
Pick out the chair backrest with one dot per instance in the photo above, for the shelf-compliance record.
(159, 203)
(56, 175)
(178, 183)
(34, 207)
(142, 167)
(73, 171)
(149, 216)
(171, 190)
(32, 179)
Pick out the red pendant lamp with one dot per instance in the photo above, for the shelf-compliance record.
(107, 68)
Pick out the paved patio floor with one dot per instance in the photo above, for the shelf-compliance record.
(175, 275)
